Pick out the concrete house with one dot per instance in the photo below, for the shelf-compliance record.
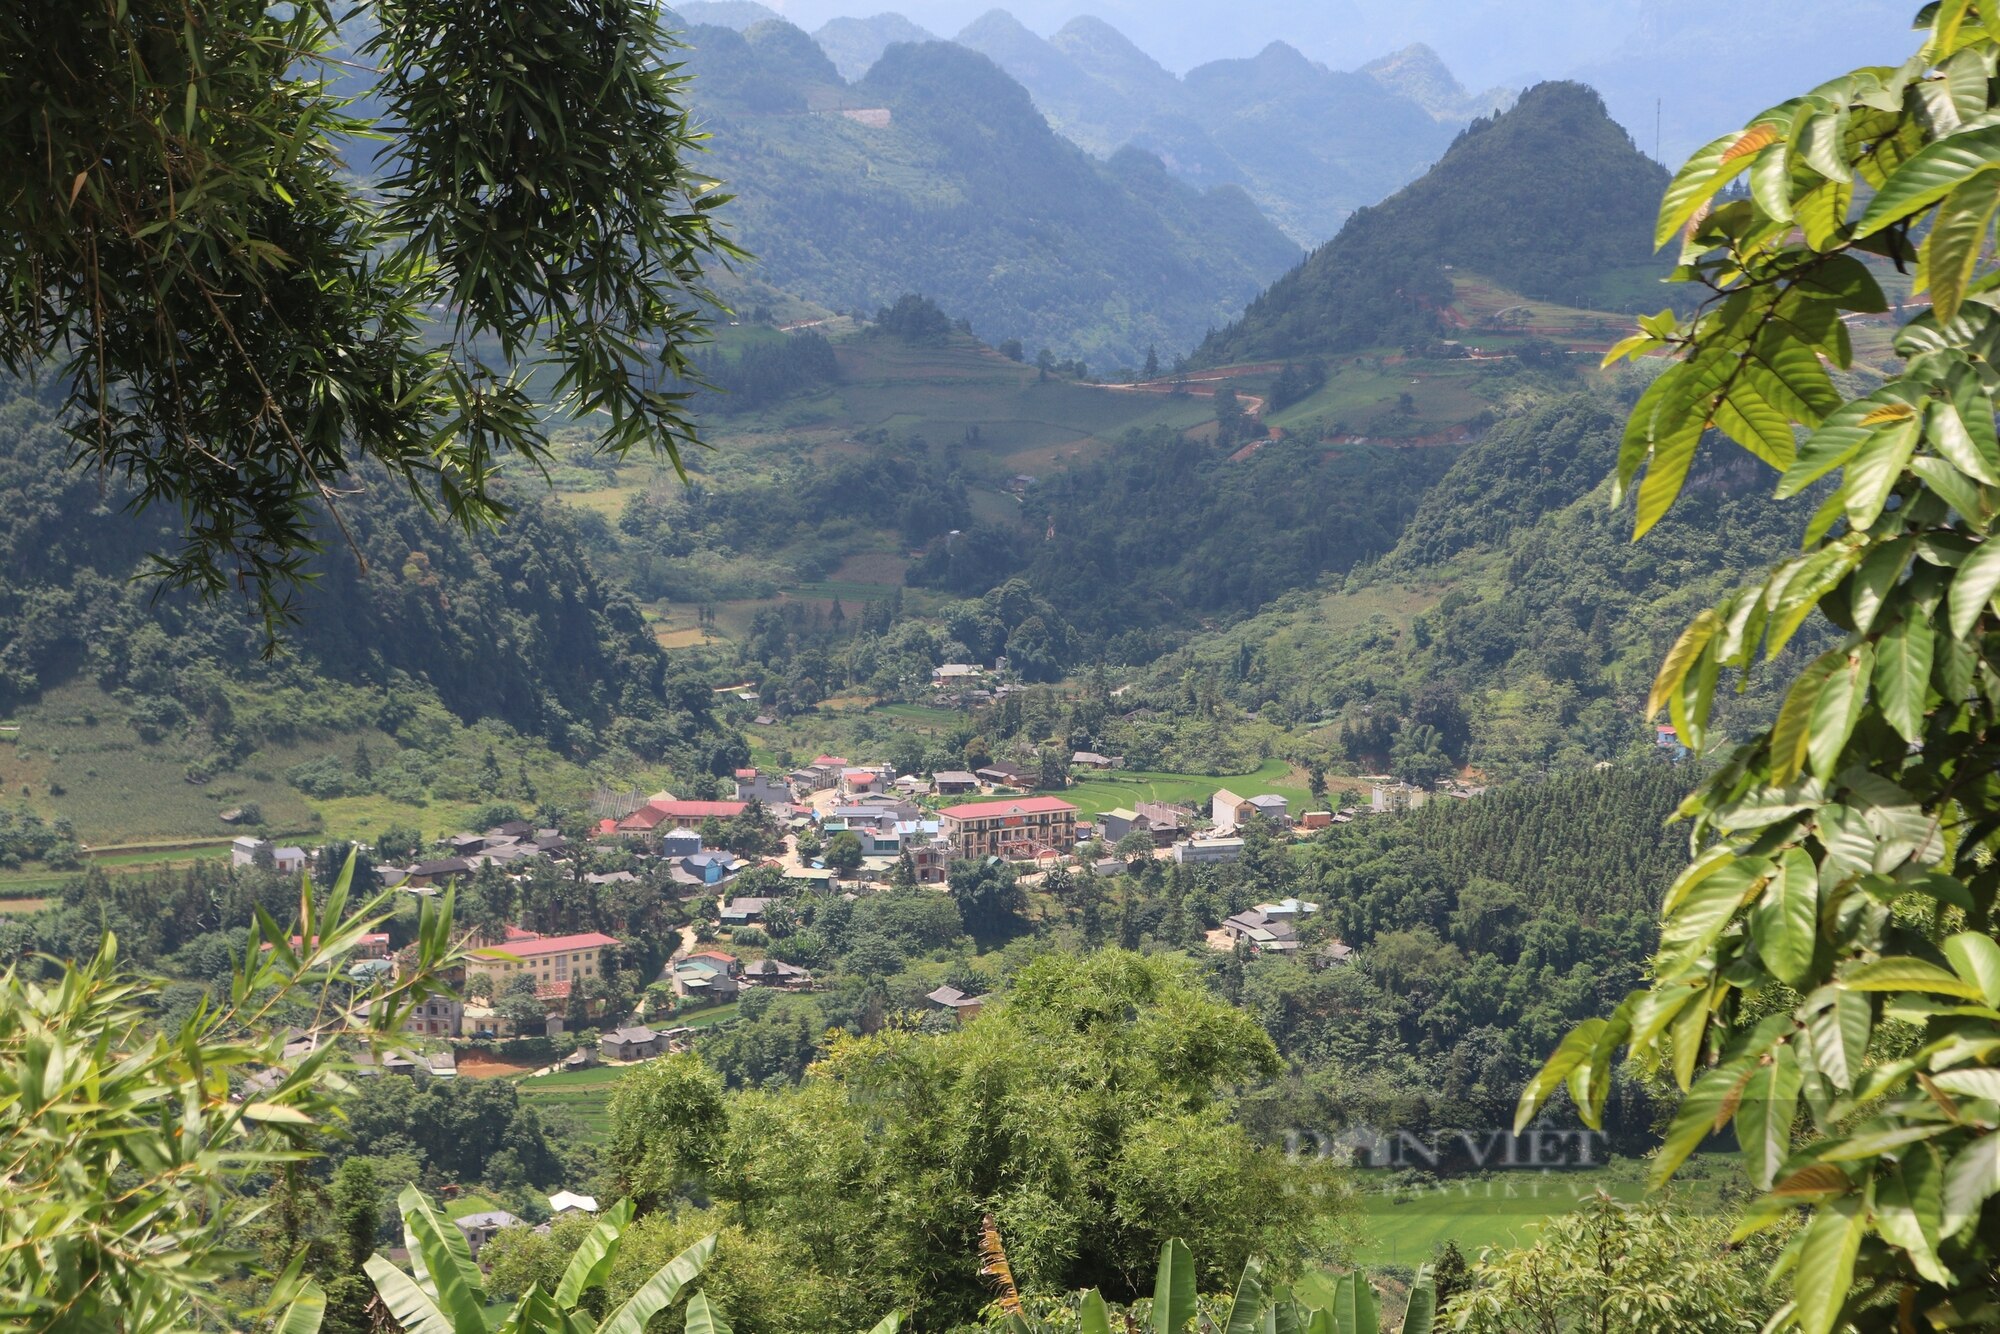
(1208, 851)
(1017, 828)
(631, 1044)
(771, 789)
(954, 782)
(680, 842)
(480, 1228)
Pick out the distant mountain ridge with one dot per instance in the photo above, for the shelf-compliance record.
(936, 174)
(1309, 144)
(1550, 199)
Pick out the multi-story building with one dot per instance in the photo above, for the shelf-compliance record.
(554, 962)
(1017, 828)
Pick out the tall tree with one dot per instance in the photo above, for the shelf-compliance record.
(241, 323)
(1828, 979)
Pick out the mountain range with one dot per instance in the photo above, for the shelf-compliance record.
(1549, 199)
(1701, 71)
(936, 174)
(1310, 144)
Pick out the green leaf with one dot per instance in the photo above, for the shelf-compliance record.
(1354, 1309)
(657, 1293)
(1825, 1268)
(1666, 471)
(1954, 488)
(1903, 675)
(1903, 973)
(1957, 239)
(1837, 1035)
(1694, 1121)
(1874, 470)
(1576, 1045)
(1694, 185)
(1173, 1288)
(1791, 734)
(1420, 1311)
(1970, 1180)
(1880, 571)
(448, 1267)
(1700, 917)
(703, 1318)
(893, 1322)
(1949, 434)
(304, 1312)
(1681, 657)
(1909, 1209)
(1979, 1082)
(1785, 921)
(1932, 173)
(1976, 958)
(1819, 138)
(1248, 1303)
(1765, 1116)
(1837, 709)
(1973, 587)
(1094, 1317)
(591, 1264)
(413, 1308)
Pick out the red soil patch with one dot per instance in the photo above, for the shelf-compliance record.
(480, 1065)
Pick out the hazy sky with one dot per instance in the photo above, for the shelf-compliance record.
(1705, 62)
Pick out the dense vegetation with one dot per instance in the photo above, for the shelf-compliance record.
(514, 625)
(968, 196)
(1513, 616)
(1549, 199)
(1164, 529)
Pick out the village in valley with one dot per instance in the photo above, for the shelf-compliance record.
(745, 869)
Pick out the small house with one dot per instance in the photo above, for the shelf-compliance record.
(961, 1006)
(954, 782)
(680, 842)
(569, 1202)
(630, 1044)
(481, 1228)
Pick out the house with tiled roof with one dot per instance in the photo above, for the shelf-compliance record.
(553, 962)
(1017, 828)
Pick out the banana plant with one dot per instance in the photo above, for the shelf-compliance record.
(444, 1293)
(1317, 1304)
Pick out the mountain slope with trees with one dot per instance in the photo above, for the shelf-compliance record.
(966, 195)
(1549, 199)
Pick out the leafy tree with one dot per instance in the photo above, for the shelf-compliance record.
(843, 852)
(667, 1119)
(239, 323)
(1828, 974)
(1614, 1268)
(133, 1165)
(989, 896)
(1088, 1112)
(356, 1204)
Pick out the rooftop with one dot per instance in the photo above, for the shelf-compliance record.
(530, 949)
(973, 810)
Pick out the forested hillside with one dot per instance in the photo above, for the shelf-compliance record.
(1515, 624)
(1549, 199)
(1165, 531)
(945, 180)
(514, 626)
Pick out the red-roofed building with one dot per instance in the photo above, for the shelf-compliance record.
(1016, 828)
(673, 811)
(552, 961)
